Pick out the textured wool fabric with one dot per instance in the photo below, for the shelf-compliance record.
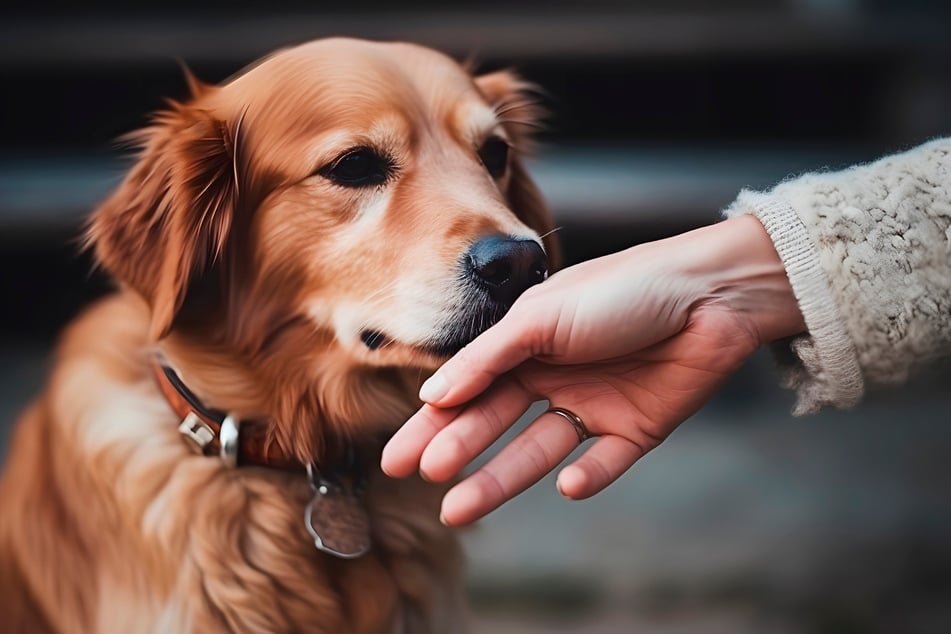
(868, 254)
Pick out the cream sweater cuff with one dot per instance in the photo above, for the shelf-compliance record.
(826, 370)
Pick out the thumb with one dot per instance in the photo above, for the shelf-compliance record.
(505, 345)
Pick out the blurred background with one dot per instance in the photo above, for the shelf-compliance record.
(746, 519)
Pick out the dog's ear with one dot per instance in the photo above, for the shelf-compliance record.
(168, 222)
(517, 105)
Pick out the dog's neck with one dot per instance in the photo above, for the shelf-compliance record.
(311, 409)
(295, 425)
(215, 433)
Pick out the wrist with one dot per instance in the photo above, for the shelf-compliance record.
(746, 274)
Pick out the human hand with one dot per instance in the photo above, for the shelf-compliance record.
(633, 343)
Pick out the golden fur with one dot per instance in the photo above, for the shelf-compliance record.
(254, 275)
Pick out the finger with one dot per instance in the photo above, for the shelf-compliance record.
(515, 338)
(524, 461)
(598, 467)
(402, 453)
(473, 430)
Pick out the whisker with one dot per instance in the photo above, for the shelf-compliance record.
(518, 104)
(530, 123)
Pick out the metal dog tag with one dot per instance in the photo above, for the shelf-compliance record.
(336, 519)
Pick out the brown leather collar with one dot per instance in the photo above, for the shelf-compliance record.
(209, 431)
(335, 517)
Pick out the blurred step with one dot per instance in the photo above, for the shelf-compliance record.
(584, 185)
(597, 30)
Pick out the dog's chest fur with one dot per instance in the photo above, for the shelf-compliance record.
(125, 530)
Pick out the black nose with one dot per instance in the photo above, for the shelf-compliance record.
(506, 267)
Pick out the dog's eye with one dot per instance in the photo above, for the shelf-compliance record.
(360, 167)
(494, 154)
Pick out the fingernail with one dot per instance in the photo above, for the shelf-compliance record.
(434, 388)
(442, 519)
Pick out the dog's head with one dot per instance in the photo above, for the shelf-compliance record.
(364, 201)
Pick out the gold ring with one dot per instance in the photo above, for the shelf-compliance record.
(574, 419)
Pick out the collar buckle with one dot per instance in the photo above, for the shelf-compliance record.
(197, 431)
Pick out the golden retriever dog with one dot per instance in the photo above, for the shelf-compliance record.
(296, 249)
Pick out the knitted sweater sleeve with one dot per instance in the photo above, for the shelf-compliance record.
(868, 255)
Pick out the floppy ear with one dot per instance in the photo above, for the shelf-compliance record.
(168, 221)
(517, 107)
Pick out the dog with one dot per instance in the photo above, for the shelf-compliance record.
(295, 250)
